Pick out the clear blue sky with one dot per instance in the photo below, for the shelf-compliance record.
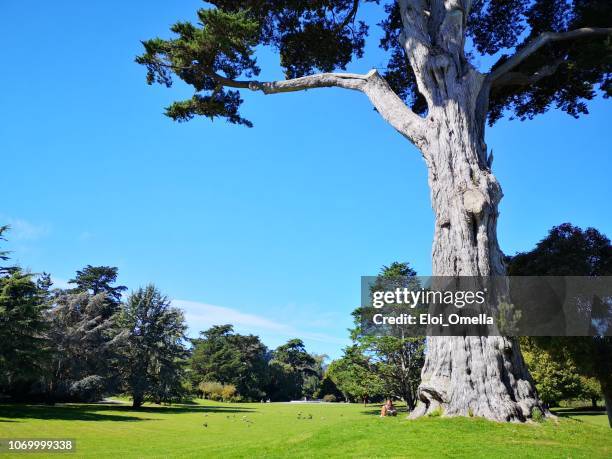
(269, 228)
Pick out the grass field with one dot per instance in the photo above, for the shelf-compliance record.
(297, 430)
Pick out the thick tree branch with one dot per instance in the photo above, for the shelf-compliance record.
(522, 79)
(354, 81)
(384, 99)
(540, 41)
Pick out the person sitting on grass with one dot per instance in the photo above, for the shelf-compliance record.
(388, 409)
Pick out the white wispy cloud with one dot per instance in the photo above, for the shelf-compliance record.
(200, 316)
(209, 314)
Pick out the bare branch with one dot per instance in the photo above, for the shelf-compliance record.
(354, 81)
(384, 99)
(394, 110)
(540, 41)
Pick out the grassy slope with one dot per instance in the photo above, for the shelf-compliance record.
(275, 430)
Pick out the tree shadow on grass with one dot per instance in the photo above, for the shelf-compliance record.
(100, 412)
(184, 408)
(64, 412)
(374, 410)
(585, 411)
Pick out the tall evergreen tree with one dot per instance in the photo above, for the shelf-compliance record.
(82, 332)
(23, 346)
(290, 367)
(152, 349)
(99, 279)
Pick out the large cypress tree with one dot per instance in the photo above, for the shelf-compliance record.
(552, 53)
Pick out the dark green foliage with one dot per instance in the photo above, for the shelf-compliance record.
(284, 383)
(571, 251)
(311, 387)
(308, 35)
(397, 357)
(356, 377)
(325, 35)
(581, 66)
(152, 351)
(98, 279)
(327, 387)
(293, 372)
(230, 358)
(293, 353)
(4, 254)
(566, 251)
(23, 346)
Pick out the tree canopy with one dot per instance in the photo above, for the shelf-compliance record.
(98, 279)
(152, 349)
(548, 52)
(222, 356)
(396, 355)
(566, 251)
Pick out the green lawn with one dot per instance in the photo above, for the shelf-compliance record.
(588, 415)
(295, 430)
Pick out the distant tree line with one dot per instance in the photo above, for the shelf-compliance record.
(87, 342)
(93, 340)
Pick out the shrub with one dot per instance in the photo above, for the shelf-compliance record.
(210, 388)
(329, 398)
(89, 389)
(536, 414)
(214, 390)
(227, 392)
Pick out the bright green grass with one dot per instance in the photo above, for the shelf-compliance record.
(588, 415)
(286, 430)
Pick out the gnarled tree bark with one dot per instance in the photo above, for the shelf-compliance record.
(479, 376)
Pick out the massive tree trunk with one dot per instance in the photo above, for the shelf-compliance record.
(479, 376)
